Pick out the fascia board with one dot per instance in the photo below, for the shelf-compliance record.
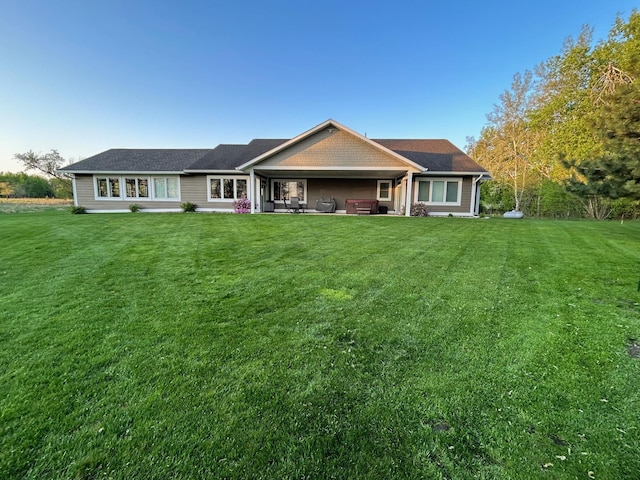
(121, 172)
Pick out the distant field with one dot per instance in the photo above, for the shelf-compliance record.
(183, 346)
(21, 205)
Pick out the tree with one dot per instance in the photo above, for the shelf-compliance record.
(615, 173)
(6, 189)
(49, 163)
(507, 144)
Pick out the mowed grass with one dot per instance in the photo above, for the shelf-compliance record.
(186, 346)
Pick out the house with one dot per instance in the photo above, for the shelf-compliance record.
(329, 160)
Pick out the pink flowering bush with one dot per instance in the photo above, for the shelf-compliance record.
(243, 205)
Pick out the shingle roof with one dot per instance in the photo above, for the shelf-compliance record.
(435, 155)
(228, 157)
(139, 160)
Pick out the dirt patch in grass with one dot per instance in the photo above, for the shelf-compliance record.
(633, 349)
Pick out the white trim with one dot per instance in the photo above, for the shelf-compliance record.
(446, 180)
(121, 173)
(211, 172)
(336, 168)
(445, 173)
(390, 197)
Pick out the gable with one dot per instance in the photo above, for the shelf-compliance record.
(332, 148)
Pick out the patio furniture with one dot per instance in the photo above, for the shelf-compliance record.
(287, 206)
(296, 205)
(362, 206)
(326, 206)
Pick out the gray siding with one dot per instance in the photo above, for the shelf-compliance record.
(465, 200)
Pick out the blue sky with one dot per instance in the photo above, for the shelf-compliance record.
(85, 76)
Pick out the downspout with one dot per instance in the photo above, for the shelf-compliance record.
(476, 195)
(75, 191)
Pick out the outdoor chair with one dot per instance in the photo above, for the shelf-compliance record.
(296, 205)
(287, 206)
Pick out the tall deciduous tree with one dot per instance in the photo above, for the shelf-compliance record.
(47, 163)
(507, 144)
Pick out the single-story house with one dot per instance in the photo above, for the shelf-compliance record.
(329, 160)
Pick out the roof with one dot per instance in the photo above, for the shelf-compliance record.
(138, 160)
(435, 155)
(430, 156)
(228, 157)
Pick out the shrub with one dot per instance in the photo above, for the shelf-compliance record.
(242, 205)
(134, 207)
(419, 210)
(77, 210)
(188, 207)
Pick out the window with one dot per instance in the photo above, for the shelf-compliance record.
(166, 188)
(285, 189)
(226, 188)
(108, 187)
(124, 188)
(136, 187)
(439, 191)
(384, 190)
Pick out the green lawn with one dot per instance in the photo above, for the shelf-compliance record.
(141, 346)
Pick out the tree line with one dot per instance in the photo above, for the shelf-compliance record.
(49, 184)
(564, 140)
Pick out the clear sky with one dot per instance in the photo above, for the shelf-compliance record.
(84, 76)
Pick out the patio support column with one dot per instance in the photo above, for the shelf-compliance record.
(407, 200)
(252, 190)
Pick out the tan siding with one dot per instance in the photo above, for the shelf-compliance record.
(192, 189)
(338, 150)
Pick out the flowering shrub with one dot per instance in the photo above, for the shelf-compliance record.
(419, 210)
(243, 205)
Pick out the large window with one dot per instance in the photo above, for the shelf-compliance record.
(108, 187)
(226, 188)
(136, 187)
(126, 188)
(439, 191)
(384, 190)
(285, 189)
(166, 188)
